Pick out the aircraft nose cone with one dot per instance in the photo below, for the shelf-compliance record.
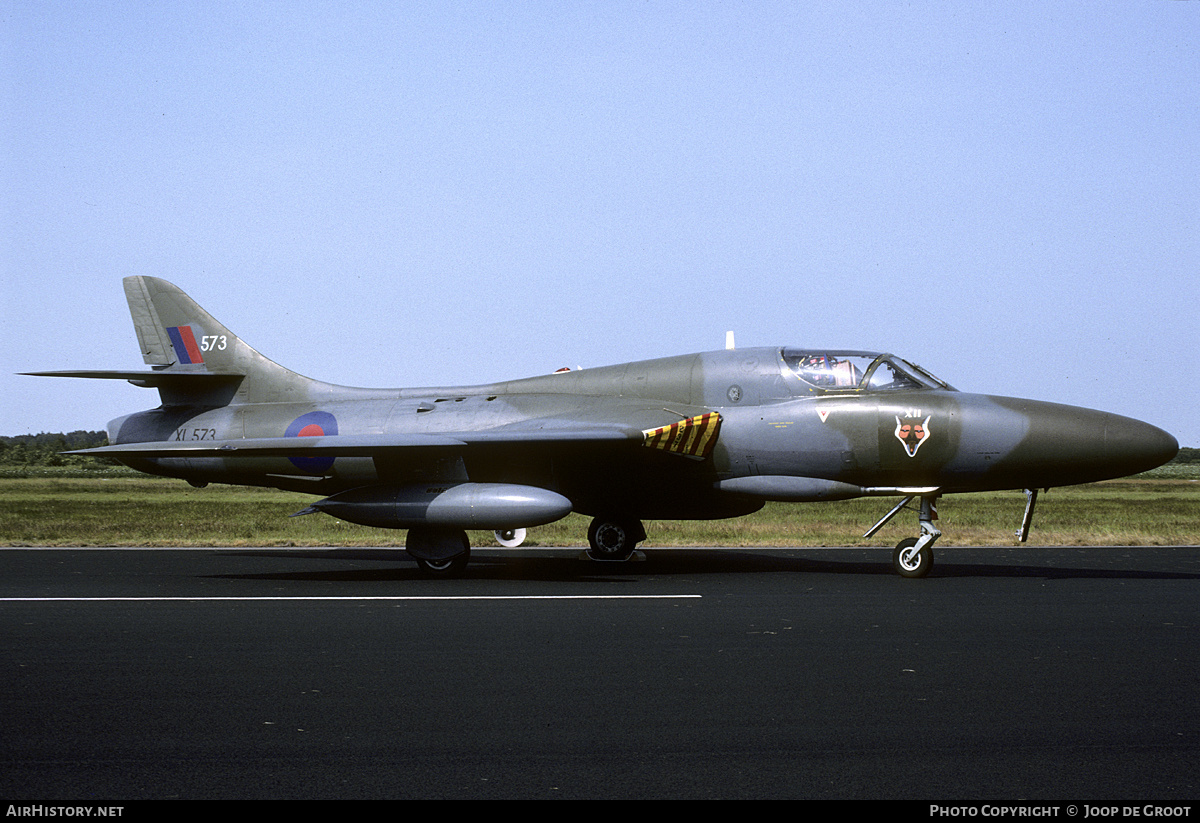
(1137, 446)
(1082, 445)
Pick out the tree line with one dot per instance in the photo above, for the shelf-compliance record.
(45, 449)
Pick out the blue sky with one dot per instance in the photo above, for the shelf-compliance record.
(405, 194)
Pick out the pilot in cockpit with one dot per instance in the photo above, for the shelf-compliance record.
(828, 371)
(814, 369)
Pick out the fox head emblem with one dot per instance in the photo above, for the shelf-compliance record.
(912, 431)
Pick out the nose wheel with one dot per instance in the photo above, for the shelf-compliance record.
(909, 561)
(913, 556)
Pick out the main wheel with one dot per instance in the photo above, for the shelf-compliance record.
(613, 539)
(439, 552)
(909, 563)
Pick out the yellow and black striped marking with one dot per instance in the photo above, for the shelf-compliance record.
(693, 437)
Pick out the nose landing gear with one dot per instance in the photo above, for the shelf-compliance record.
(913, 556)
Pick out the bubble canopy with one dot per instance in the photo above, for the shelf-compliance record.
(855, 371)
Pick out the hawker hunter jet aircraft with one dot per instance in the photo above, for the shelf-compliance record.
(698, 436)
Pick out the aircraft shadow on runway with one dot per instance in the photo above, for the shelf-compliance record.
(674, 562)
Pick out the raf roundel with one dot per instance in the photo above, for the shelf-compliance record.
(313, 424)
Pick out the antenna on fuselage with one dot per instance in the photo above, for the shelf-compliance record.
(729, 340)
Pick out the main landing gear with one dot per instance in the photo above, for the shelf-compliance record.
(614, 538)
(913, 556)
(445, 552)
(439, 552)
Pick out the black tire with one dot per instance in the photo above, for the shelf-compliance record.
(611, 539)
(917, 566)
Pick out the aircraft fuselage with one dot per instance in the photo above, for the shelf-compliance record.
(697, 436)
(852, 440)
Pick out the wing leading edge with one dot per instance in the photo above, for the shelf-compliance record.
(693, 437)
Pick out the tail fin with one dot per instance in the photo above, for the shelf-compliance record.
(196, 361)
(178, 337)
(174, 332)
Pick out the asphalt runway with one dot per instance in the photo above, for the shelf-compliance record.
(1019, 674)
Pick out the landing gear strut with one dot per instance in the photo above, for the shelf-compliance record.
(1031, 496)
(913, 556)
(614, 538)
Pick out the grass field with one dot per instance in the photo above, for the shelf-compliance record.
(120, 508)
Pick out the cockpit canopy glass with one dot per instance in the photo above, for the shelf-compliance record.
(839, 371)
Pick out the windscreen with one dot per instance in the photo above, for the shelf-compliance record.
(855, 371)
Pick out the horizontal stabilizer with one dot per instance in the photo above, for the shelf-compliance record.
(148, 379)
(175, 387)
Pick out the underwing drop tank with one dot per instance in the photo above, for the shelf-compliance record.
(495, 506)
